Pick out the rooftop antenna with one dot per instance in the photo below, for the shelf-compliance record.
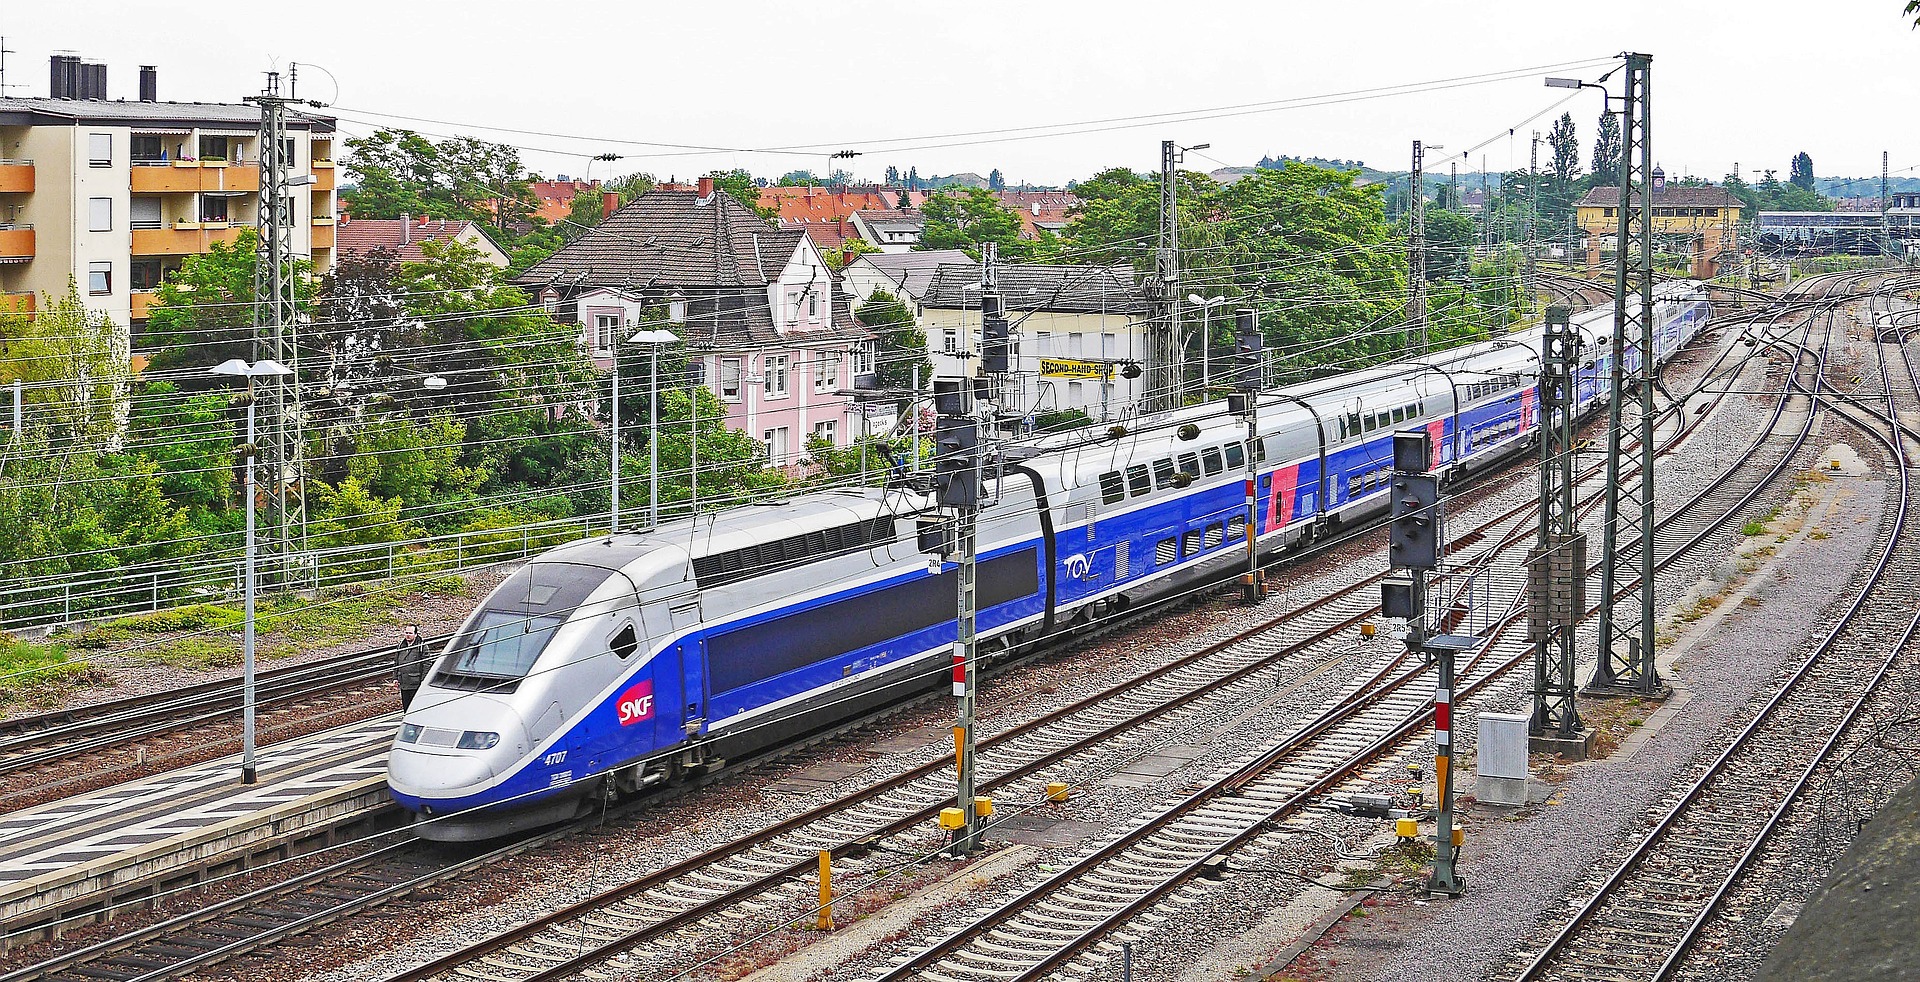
(4, 52)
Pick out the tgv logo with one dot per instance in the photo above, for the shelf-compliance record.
(636, 704)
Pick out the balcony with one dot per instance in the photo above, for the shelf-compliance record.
(140, 301)
(193, 175)
(16, 303)
(184, 238)
(15, 175)
(16, 242)
(322, 235)
(322, 176)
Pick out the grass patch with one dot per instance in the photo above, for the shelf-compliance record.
(1753, 528)
(207, 636)
(38, 672)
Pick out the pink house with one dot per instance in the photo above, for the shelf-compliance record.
(755, 304)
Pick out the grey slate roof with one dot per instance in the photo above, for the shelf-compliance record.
(1058, 289)
(913, 272)
(720, 256)
(1671, 196)
(61, 112)
(668, 238)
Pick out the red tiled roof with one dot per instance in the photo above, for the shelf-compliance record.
(556, 197)
(402, 236)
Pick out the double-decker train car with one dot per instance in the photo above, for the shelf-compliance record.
(618, 662)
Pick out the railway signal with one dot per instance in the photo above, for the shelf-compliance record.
(1414, 547)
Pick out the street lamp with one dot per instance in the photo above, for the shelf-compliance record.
(1206, 305)
(655, 340)
(265, 368)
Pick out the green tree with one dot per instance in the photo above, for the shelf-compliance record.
(187, 436)
(900, 345)
(203, 313)
(966, 218)
(1563, 174)
(1801, 174)
(1450, 238)
(399, 172)
(1606, 151)
(73, 366)
(1118, 215)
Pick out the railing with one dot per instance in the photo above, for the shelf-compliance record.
(15, 226)
(15, 162)
(151, 162)
(146, 224)
(50, 602)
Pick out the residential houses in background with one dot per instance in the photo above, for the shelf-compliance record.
(112, 194)
(755, 303)
(1076, 329)
(405, 236)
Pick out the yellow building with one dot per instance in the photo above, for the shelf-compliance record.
(115, 193)
(1700, 222)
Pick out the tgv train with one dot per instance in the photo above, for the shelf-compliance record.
(618, 662)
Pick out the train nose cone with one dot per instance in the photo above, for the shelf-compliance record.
(434, 767)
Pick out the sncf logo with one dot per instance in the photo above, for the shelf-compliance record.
(636, 704)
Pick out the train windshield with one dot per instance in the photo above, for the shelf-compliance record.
(501, 645)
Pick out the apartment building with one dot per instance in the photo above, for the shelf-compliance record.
(114, 193)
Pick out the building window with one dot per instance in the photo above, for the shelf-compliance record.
(950, 341)
(100, 278)
(145, 213)
(100, 149)
(213, 148)
(775, 384)
(603, 327)
(146, 150)
(813, 306)
(863, 358)
(824, 430)
(730, 380)
(144, 274)
(793, 310)
(776, 440)
(826, 371)
(100, 214)
(213, 208)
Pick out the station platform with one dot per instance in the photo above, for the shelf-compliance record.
(85, 855)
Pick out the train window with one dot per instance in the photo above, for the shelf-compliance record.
(1353, 424)
(1343, 427)
(1138, 481)
(1190, 465)
(1260, 450)
(1165, 551)
(1354, 486)
(624, 643)
(1210, 457)
(1190, 544)
(1237, 528)
(1112, 489)
(500, 644)
(1236, 458)
(1214, 536)
(1410, 413)
(1163, 473)
(1399, 415)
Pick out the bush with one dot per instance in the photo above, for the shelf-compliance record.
(35, 671)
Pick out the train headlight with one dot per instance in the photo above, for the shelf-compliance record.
(409, 733)
(476, 740)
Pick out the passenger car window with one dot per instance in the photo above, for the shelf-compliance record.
(1163, 473)
(1111, 488)
(1236, 457)
(1210, 457)
(1137, 480)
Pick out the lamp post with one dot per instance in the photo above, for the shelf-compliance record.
(1206, 305)
(654, 340)
(265, 368)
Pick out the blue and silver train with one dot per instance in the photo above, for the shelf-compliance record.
(615, 663)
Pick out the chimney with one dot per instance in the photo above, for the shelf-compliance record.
(149, 84)
(706, 187)
(63, 77)
(95, 84)
(406, 228)
(609, 203)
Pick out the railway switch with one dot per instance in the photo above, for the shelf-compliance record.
(952, 818)
(1057, 791)
(982, 806)
(1407, 829)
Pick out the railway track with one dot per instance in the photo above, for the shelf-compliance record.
(1640, 921)
(161, 729)
(759, 864)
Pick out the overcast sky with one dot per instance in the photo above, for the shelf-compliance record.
(973, 86)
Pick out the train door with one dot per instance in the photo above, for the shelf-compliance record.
(693, 665)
